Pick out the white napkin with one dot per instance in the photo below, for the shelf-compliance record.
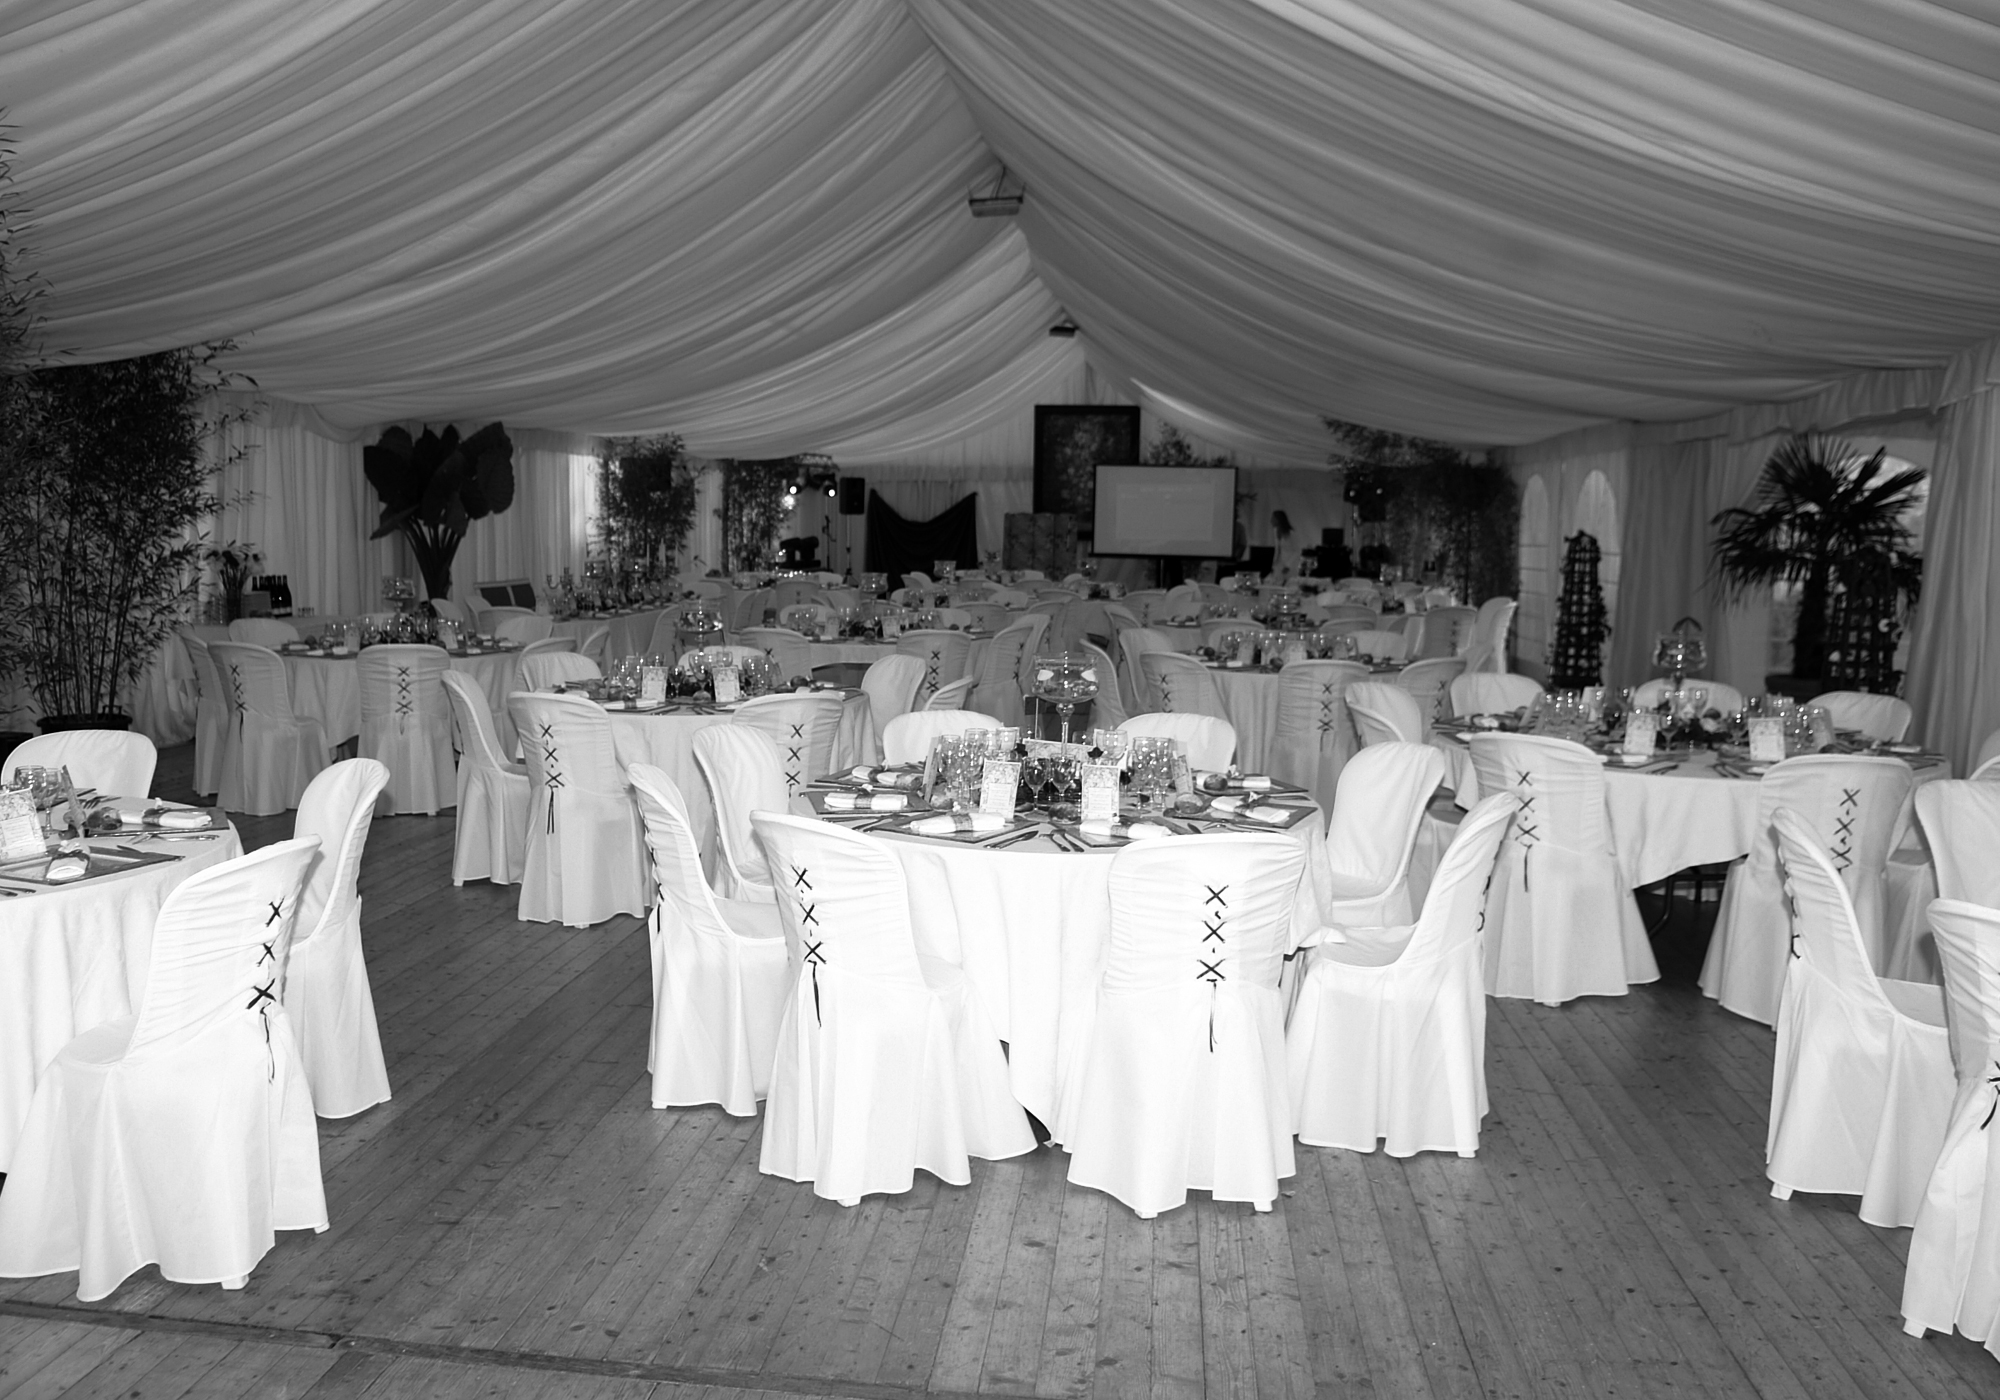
(67, 867)
(183, 818)
(867, 802)
(1276, 816)
(1138, 831)
(1254, 782)
(1229, 806)
(945, 825)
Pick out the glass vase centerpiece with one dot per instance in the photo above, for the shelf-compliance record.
(1064, 681)
(1681, 651)
(699, 626)
(398, 594)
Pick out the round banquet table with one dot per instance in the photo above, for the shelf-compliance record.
(1030, 925)
(77, 956)
(630, 634)
(665, 739)
(328, 689)
(867, 653)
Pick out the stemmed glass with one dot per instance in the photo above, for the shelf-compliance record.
(1064, 681)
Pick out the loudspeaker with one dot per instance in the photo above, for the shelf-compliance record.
(1332, 538)
(853, 495)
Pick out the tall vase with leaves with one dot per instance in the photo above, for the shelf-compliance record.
(1825, 517)
(105, 471)
(434, 486)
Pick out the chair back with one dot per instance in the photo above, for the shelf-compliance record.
(549, 669)
(944, 654)
(1219, 632)
(998, 691)
(787, 647)
(844, 903)
(1384, 713)
(1133, 643)
(1381, 644)
(336, 810)
(452, 611)
(1312, 704)
(1182, 684)
(990, 616)
(1429, 684)
(803, 618)
(1143, 604)
(1560, 786)
(802, 726)
(1488, 649)
(546, 645)
(1377, 809)
(1210, 913)
(1184, 600)
(1826, 936)
(402, 685)
(253, 680)
(789, 592)
(263, 631)
(1352, 612)
(566, 743)
(1121, 617)
(1961, 822)
(1210, 742)
(1492, 693)
(1108, 709)
(665, 641)
(519, 625)
(891, 687)
(1853, 805)
(117, 762)
(1724, 699)
(1454, 913)
(746, 609)
(907, 738)
(1968, 943)
(1988, 752)
(1881, 717)
(687, 903)
(952, 695)
(478, 740)
(740, 764)
(220, 943)
(1037, 628)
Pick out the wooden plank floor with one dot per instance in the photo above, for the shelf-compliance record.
(518, 1221)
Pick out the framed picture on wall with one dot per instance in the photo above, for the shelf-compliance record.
(1070, 440)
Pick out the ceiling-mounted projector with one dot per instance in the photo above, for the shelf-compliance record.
(1064, 328)
(999, 202)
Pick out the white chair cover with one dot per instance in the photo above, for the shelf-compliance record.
(943, 653)
(1146, 605)
(891, 687)
(1139, 693)
(586, 854)
(1861, 1085)
(1854, 805)
(594, 644)
(452, 611)
(1989, 751)
(271, 753)
(1210, 742)
(1181, 684)
(1377, 811)
(1313, 739)
(789, 649)
(269, 632)
(952, 695)
(1184, 600)
(516, 626)
(1724, 699)
(491, 842)
(740, 765)
(545, 670)
(1487, 651)
(1384, 714)
(117, 762)
(1961, 822)
(720, 975)
(885, 1062)
(1492, 693)
(665, 641)
(1882, 717)
(1216, 631)
(1448, 631)
(1561, 919)
(406, 724)
(326, 980)
(1381, 644)
(1387, 1042)
(1953, 1276)
(998, 687)
(908, 737)
(1429, 684)
(182, 1135)
(1178, 1081)
(1352, 612)
(211, 716)
(549, 645)
(1107, 707)
(803, 727)
(489, 620)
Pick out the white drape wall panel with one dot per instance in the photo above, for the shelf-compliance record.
(1540, 562)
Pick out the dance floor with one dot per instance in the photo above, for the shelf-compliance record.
(518, 1221)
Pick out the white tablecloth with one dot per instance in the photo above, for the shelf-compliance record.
(328, 689)
(630, 633)
(867, 653)
(1029, 925)
(74, 958)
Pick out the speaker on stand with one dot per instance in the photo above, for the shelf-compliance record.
(853, 501)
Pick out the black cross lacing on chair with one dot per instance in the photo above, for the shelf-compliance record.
(1211, 972)
(263, 998)
(552, 777)
(1525, 832)
(1994, 1080)
(1328, 700)
(810, 946)
(236, 684)
(795, 763)
(405, 696)
(1843, 828)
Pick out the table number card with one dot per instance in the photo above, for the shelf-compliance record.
(1642, 730)
(653, 685)
(1767, 740)
(20, 828)
(999, 780)
(727, 685)
(1100, 792)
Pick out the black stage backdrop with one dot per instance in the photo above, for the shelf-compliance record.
(896, 545)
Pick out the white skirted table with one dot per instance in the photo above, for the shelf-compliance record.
(76, 956)
(1030, 925)
(328, 689)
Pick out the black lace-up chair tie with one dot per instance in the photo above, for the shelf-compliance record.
(1214, 950)
(265, 996)
(1329, 703)
(1526, 821)
(811, 940)
(795, 761)
(552, 777)
(406, 698)
(1843, 829)
(1993, 1082)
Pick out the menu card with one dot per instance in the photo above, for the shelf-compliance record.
(1767, 740)
(999, 780)
(20, 828)
(1642, 730)
(727, 684)
(1100, 792)
(652, 685)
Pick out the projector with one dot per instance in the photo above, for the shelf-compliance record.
(996, 206)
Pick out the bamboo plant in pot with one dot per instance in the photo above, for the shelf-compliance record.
(107, 481)
(1827, 518)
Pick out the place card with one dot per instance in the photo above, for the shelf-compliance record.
(726, 684)
(1767, 740)
(1642, 729)
(652, 685)
(1100, 792)
(20, 828)
(999, 780)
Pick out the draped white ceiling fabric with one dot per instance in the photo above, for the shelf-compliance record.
(1487, 220)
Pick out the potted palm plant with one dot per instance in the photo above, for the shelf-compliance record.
(1827, 518)
(107, 482)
